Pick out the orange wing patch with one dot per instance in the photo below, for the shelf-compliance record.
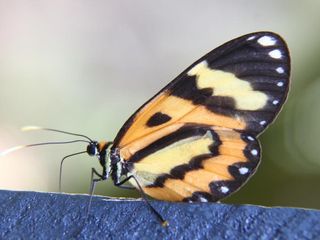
(167, 110)
(164, 104)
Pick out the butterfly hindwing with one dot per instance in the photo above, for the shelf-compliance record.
(196, 138)
(195, 161)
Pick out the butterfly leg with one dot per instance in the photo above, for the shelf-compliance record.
(144, 197)
(120, 185)
(126, 187)
(93, 183)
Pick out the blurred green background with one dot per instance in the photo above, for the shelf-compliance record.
(86, 66)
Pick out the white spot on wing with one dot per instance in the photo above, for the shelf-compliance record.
(202, 199)
(224, 189)
(275, 54)
(280, 70)
(263, 122)
(280, 84)
(267, 41)
(251, 38)
(243, 170)
(250, 138)
(254, 152)
(275, 102)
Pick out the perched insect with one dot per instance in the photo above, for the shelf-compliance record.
(196, 140)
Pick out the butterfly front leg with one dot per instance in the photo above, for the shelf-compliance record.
(120, 185)
(99, 177)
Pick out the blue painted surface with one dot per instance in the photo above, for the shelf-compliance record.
(32, 215)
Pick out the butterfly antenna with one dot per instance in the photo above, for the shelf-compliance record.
(34, 128)
(16, 148)
(61, 164)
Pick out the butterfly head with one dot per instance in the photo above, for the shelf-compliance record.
(102, 151)
(93, 148)
(99, 149)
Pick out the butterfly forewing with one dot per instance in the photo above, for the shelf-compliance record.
(196, 139)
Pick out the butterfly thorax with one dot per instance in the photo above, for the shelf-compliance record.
(109, 158)
(117, 168)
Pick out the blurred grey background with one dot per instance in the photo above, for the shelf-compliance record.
(86, 66)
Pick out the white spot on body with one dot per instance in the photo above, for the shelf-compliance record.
(251, 38)
(202, 199)
(254, 152)
(275, 54)
(263, 122)
(250, 138)
(280, 84)
(280, 70)
(224, 189)
(267, 41)
(119, 169)
(275, 102)
(243, 170)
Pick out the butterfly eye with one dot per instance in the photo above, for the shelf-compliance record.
(92, 149)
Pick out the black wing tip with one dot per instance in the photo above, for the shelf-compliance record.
(283, 44)
(252, 39)
(262, 33)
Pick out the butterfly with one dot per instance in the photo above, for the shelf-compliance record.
(196, 140)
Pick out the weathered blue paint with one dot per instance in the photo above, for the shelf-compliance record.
(33, 215)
